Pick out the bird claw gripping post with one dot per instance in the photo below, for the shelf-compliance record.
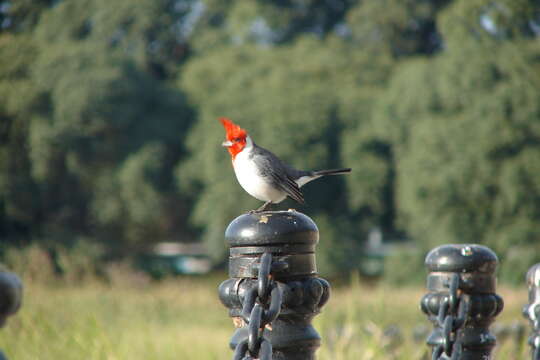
(461, 302)
(273, 291)
(10, 297)
(532, 310)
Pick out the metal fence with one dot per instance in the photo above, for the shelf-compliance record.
(10, 298)
(274, 292)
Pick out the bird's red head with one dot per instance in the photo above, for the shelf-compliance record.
(236, 137)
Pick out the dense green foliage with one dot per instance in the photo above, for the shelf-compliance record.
(109, 132)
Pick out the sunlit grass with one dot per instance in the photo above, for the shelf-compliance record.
(183, 319)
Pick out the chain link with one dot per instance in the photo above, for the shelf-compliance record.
(534, 341)
(260, 307)
(531, 312)
(453, 312)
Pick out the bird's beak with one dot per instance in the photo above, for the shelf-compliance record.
(227, 143)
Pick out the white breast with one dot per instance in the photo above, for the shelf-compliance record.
(254, 184)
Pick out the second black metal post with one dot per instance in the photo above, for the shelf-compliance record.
(461, 302)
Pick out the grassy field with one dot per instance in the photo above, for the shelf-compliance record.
(183, 319)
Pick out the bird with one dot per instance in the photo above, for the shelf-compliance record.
(261, 173)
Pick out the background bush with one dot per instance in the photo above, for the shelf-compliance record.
(109, 137)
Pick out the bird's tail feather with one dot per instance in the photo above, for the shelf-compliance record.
(332, 172)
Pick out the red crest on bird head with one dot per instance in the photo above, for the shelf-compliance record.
(233, 131)
(236, 137)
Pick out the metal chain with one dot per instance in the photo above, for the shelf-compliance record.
(261, 305)
(532, 311)
(453, 312)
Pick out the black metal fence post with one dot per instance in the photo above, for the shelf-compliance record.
(461, 302)
(532, 309)
(10, 297)
(273, 291)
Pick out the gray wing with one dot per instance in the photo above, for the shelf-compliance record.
(280, 174)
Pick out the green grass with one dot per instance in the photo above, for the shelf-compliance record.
(183, 319)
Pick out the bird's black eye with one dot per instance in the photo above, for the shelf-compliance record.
(236, 139)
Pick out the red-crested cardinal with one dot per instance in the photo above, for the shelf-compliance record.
(262, 174)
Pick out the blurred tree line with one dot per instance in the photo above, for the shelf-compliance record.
(109, 134)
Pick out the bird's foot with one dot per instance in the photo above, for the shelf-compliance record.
(261, 209)
(264, 206)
